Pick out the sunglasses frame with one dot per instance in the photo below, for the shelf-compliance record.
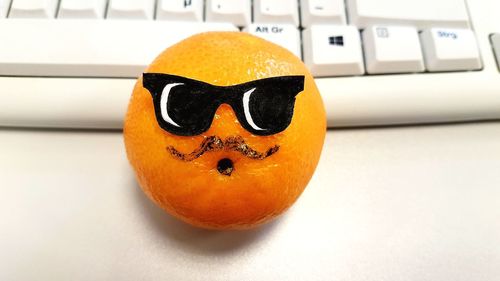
(288, 87)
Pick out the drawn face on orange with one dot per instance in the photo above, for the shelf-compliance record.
(186, 107)
(224, 130)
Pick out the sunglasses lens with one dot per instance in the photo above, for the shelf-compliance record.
(267, 114)
(267, 107)
(182, 106)
(186, 110)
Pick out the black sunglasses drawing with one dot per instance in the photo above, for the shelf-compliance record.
(186, 107)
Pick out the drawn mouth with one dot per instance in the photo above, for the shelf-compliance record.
(215, 143)
(225, 166)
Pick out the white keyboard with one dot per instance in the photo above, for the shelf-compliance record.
(73, 63)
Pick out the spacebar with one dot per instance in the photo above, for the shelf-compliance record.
(89, 48)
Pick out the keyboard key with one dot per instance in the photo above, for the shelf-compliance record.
(180, 10)
(130, 9)
(276, 11)
(4, 8)
(33, 9)
(421, 14)
(495, 42)
(390, 49)
(333, 50)
(237, 12)
(82, 9)
(450, 49)
(92, 48)
(285, 35)
(322, 11)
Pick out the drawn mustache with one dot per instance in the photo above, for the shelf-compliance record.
(215, 143)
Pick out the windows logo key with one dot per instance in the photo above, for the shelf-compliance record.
(336, 40)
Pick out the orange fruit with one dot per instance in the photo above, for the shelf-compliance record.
(224, 188)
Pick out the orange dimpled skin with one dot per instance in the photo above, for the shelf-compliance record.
(244, 191)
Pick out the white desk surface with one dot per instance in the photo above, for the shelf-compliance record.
(413, 203)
